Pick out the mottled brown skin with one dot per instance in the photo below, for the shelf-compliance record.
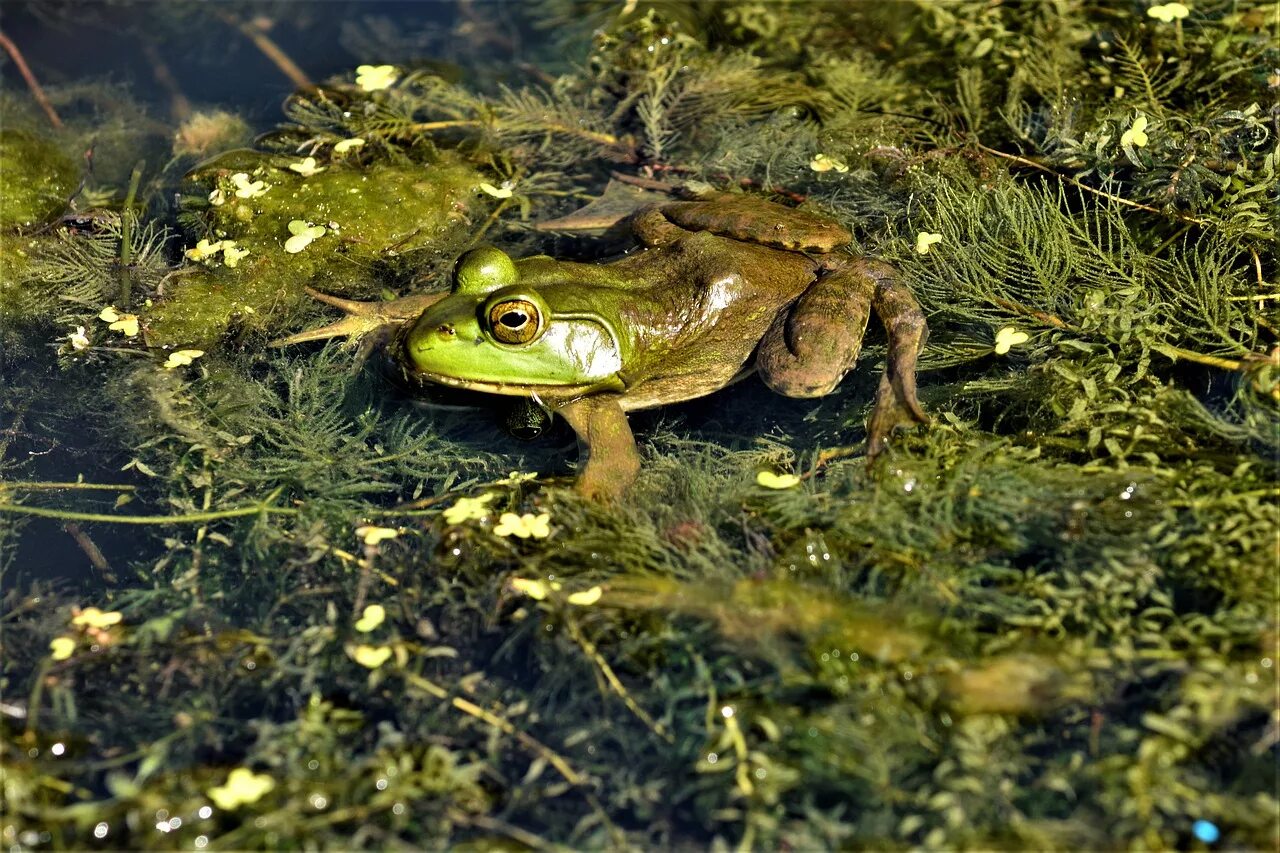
(811, 303)
(725, 284)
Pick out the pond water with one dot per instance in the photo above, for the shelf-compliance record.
(265, 586)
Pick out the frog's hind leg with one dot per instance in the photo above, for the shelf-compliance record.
(810, 347)
(896, 402)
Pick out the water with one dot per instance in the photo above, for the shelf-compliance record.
(289, 599)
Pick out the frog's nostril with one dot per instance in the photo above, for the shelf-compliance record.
(446, 329)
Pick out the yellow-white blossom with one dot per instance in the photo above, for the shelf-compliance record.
(827, 163)
(232, 254)
(78, 340)
(1136, 135)
(125, 324)
(246, 188)
(181, 358)
(371, 656)
(1168, 12)
(371, 78)
(373, 616)
(371, 535)
(92, 617)
(925, 240)
(468, 509)
(61, 648)
(772, 480)
(304, 233)
(242, 787)
(1008, 338)
(503, 191)
(306, 167)
(524, 526)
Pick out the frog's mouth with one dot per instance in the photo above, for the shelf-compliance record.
(415, 376)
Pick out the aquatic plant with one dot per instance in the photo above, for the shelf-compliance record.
(1046, 622)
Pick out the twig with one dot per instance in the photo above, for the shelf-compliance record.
(592, 652)
(90, 549)
(189, 518)
(34, 485)
(34, 85)
(551, 127)
(471, 709)
(126, 235)
(179, 106)
(1181, 217)
(269, 49)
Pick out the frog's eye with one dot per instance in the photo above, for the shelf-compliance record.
(515, 321)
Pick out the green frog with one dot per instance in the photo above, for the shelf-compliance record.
(723, 285)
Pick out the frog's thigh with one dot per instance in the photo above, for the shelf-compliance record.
(612, 458)
(652, 228)
(810, 347)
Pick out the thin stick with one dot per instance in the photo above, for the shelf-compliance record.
(189, 518)
(614, 682)
(179, 106)
(470, 708)
(126, 235)
(90, 549)
(34, 85)
(33, 485)
(1181, 217)
(269, 49)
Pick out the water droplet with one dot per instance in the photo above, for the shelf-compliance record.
(205, 812)
(712, 758)
(101, 830)
(57, 749)
(726, 711)
(1206, 831)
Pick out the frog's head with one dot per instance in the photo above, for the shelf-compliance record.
(492, 334)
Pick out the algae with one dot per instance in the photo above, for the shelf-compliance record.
(1046, 622)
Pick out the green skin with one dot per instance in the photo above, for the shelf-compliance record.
(725, 285)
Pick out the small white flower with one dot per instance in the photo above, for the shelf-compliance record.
(78, 340)
(827, 163)
(926, 239)
(182, 357)
(304, 233)
(371, 78)
(246, 188)
(306, 167)
(1008, 338)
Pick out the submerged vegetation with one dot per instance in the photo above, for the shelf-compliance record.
(323, 614)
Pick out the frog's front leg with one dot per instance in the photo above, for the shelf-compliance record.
(613, 461)
(809, 349)
(363, 317)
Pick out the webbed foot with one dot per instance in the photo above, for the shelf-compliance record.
(362, 317)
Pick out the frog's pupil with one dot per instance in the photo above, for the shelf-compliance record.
(514, 319)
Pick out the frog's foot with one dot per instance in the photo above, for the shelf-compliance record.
(362, 317)
(896, 403)
(809, 348)
(612, 458)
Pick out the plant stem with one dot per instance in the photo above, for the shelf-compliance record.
(34, 485)
(188, 518)
(34, 85)
(269, 49)
(126, 235)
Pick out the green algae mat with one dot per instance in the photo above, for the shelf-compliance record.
(273, 597)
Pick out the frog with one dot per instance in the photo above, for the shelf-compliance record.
(720, 286)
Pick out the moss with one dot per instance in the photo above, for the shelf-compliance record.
(377, 220)
(38, 179)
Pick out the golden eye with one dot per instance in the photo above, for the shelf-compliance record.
(514, 321)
